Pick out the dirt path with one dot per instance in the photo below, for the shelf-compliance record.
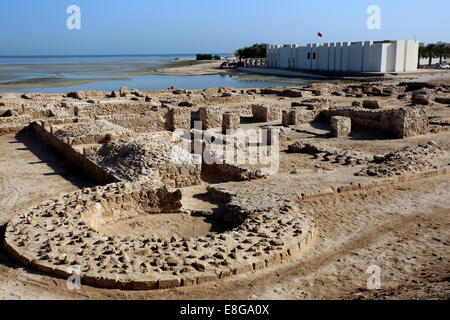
(403, 230)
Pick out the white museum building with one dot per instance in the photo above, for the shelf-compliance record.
(364, 56)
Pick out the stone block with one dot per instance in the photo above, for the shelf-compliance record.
(340, 126)
(288, 118)
(371, 104)
(230, 122)
(266, 112)
(178, 118)
(357, 104)
(421, 99)
(320, 92)
(211, 116)
(296, 93)
(123, 91)
(298, 116)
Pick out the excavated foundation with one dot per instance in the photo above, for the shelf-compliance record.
(71, 231)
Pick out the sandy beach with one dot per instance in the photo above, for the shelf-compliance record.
(188, 67)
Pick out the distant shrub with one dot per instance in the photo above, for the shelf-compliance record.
(258, 50)
(207, 57)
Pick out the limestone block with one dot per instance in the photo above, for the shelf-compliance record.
(288, 118)
(340, 126)
(421, 99)
(123, 91)
(211, 116)
(230, 121)
(179, 118)
(298, 116)
(371, 104)
(266, 112)
(320, 92)
(296, 93)
(357, 104)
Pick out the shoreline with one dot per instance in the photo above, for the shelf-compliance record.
(190, 67)
(42, 83)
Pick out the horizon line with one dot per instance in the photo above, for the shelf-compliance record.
(109, 55)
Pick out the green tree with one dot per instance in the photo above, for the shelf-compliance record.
(442, 50)
(258, 50)
(423, 53)
(431, 53)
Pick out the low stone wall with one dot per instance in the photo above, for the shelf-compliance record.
(14, 119)
(89, 132)
(12, 128)
(60, 234)
(59, 121)
(15, 124)
(230, 172)
(140, 123)
(103, 109)
(10, 125)
(296, 116)
(373, 184)
(87, 166)
(179, 176)
(400, 123)
(163, 119)
(142, 202)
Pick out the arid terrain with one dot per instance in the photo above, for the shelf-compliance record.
(358, 177)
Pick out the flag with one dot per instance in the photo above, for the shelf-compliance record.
(320, 34)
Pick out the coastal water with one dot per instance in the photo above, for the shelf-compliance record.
(55, 74)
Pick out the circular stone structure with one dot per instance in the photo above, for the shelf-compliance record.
(60, 234)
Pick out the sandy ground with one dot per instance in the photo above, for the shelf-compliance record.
(191, 68)
(404, 230)
(160, 225)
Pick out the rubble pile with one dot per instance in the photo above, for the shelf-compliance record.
(406, 160)
(325, 152)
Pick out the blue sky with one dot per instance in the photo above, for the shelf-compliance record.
(38, 27)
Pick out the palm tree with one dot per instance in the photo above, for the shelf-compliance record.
(441, 51)
(431, 53)
(423, 53)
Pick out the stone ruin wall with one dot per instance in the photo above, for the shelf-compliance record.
(87, 166)
(148, 122)
(179, 176)
(296, 116)
(13, 124)
(170, 174)
(266, 112)
(211, 116)
(400, 123)
(104, 109)
(264, 239)
(178, 118)
(139, 203)
(152, 121)
(231, 172)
